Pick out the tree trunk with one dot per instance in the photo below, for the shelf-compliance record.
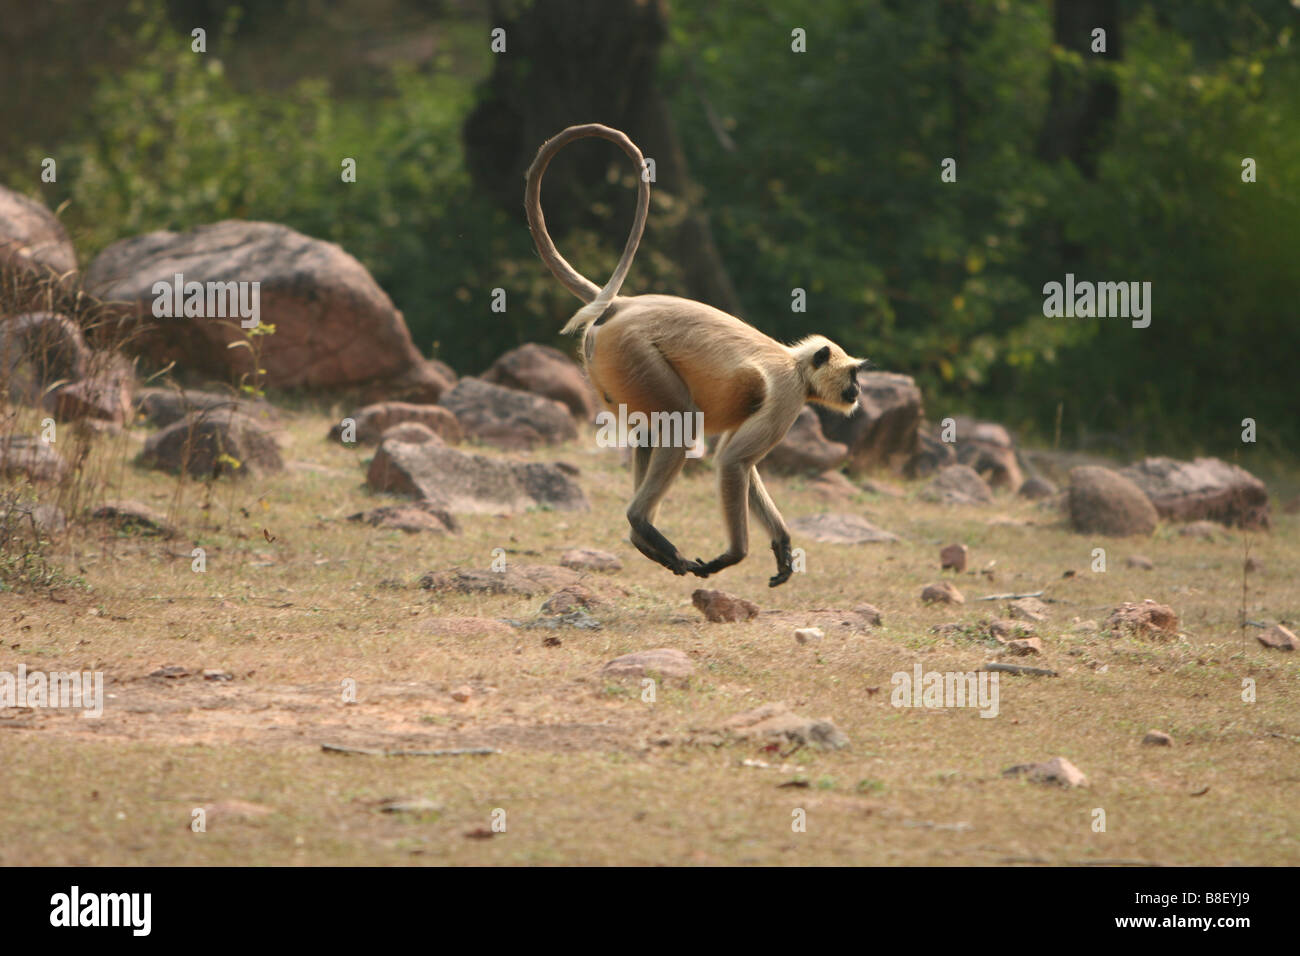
(1081, 115)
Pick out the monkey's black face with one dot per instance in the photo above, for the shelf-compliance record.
(834, 378)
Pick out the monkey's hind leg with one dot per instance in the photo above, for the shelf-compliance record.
(661, 466)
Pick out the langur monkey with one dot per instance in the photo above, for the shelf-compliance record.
(661, 353)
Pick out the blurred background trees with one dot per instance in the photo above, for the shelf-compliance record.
(775, 170)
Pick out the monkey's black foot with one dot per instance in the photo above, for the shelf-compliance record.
(717, 564)
(650, 542)
(784, 563)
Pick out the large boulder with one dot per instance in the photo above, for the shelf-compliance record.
(958, 485)
(506, 417)
(548, 372)
(334, 326)
(32, 240)
(24, 456)
(883, 432)
(1206, 489)
(37, 350)
(104, 395)
(988, 448)
(373, 420)
(805, 448)
(1102, 501)
(463, 483)
(214, 443)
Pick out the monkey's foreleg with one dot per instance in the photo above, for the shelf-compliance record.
(760, 502)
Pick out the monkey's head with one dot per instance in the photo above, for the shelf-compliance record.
(831, 373)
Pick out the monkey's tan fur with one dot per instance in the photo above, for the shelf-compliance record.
(661, 353)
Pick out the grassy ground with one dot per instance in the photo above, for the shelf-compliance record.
(296, 600)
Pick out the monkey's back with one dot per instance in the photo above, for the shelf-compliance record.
(719, 358)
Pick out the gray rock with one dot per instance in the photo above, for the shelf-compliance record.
(508, 418)
(1104, 502)
(203, 444)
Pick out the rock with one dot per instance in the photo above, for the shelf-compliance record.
(134, 516)
(508, 418)
(334, 326)
(26, 517)
(24, 456)
(229, 811)
(958, 485)
(832, 528)
(809, 635)
(941, 593)
(1058, 771)
(1085, 627)
(209, 444)
(1139, 561)
(777, 720)
(666, 663)
(719, 606)
(462, 693)
(416, 805)
(1103, 501)
(1205, 488)
(1023, 646)
(1028, 609)
(1204, 530)
(1147, 619)
(575, 597)
(590, 559)
(412, 433)
(1278, 638)
(1252, 565)
(932, 455)
(412, 517)
(885, 490)
(32, 240)
(104, 395)
(422, 384)
(1157, 738)
(884, 431)
(833, 487)
(546, 371)
(465, 483)
(1003, 631)
(953, 557)
(38, 349)
(161, 407)
(521, 579)
(460, 627)
(870, 613)
(373, 421)
(826, 620)
(1036, 487)
(988, 449)
(805, 448)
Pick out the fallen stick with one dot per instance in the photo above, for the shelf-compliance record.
(1019, 669)
(1009, 597)
(374, 752)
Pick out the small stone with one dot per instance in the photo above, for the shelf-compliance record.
(217, 675)
(954, 557)
(416, 805)
(575, 597)
(666, 662)
(1085, 627)
(941, 593)
(1139, 561)
(1028, 609)
(719, 606)
(1025, 646)
(462, 693)
(1007, 630)
(869, 613)
(1058, 770)
(1157, 738)
(1035, 488)
(1279, 638)
(808, 635)
(1147, 619)
(1204, 530)
(1252, 565)
(590, 559)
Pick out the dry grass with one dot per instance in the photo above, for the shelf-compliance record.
(296, 600)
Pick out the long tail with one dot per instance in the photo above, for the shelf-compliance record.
(597, 299)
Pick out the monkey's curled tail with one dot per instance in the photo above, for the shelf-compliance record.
(597, 299)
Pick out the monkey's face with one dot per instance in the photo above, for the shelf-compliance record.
(834, 378)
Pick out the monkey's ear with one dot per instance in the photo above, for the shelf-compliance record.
(866, 365)
(821, 356)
